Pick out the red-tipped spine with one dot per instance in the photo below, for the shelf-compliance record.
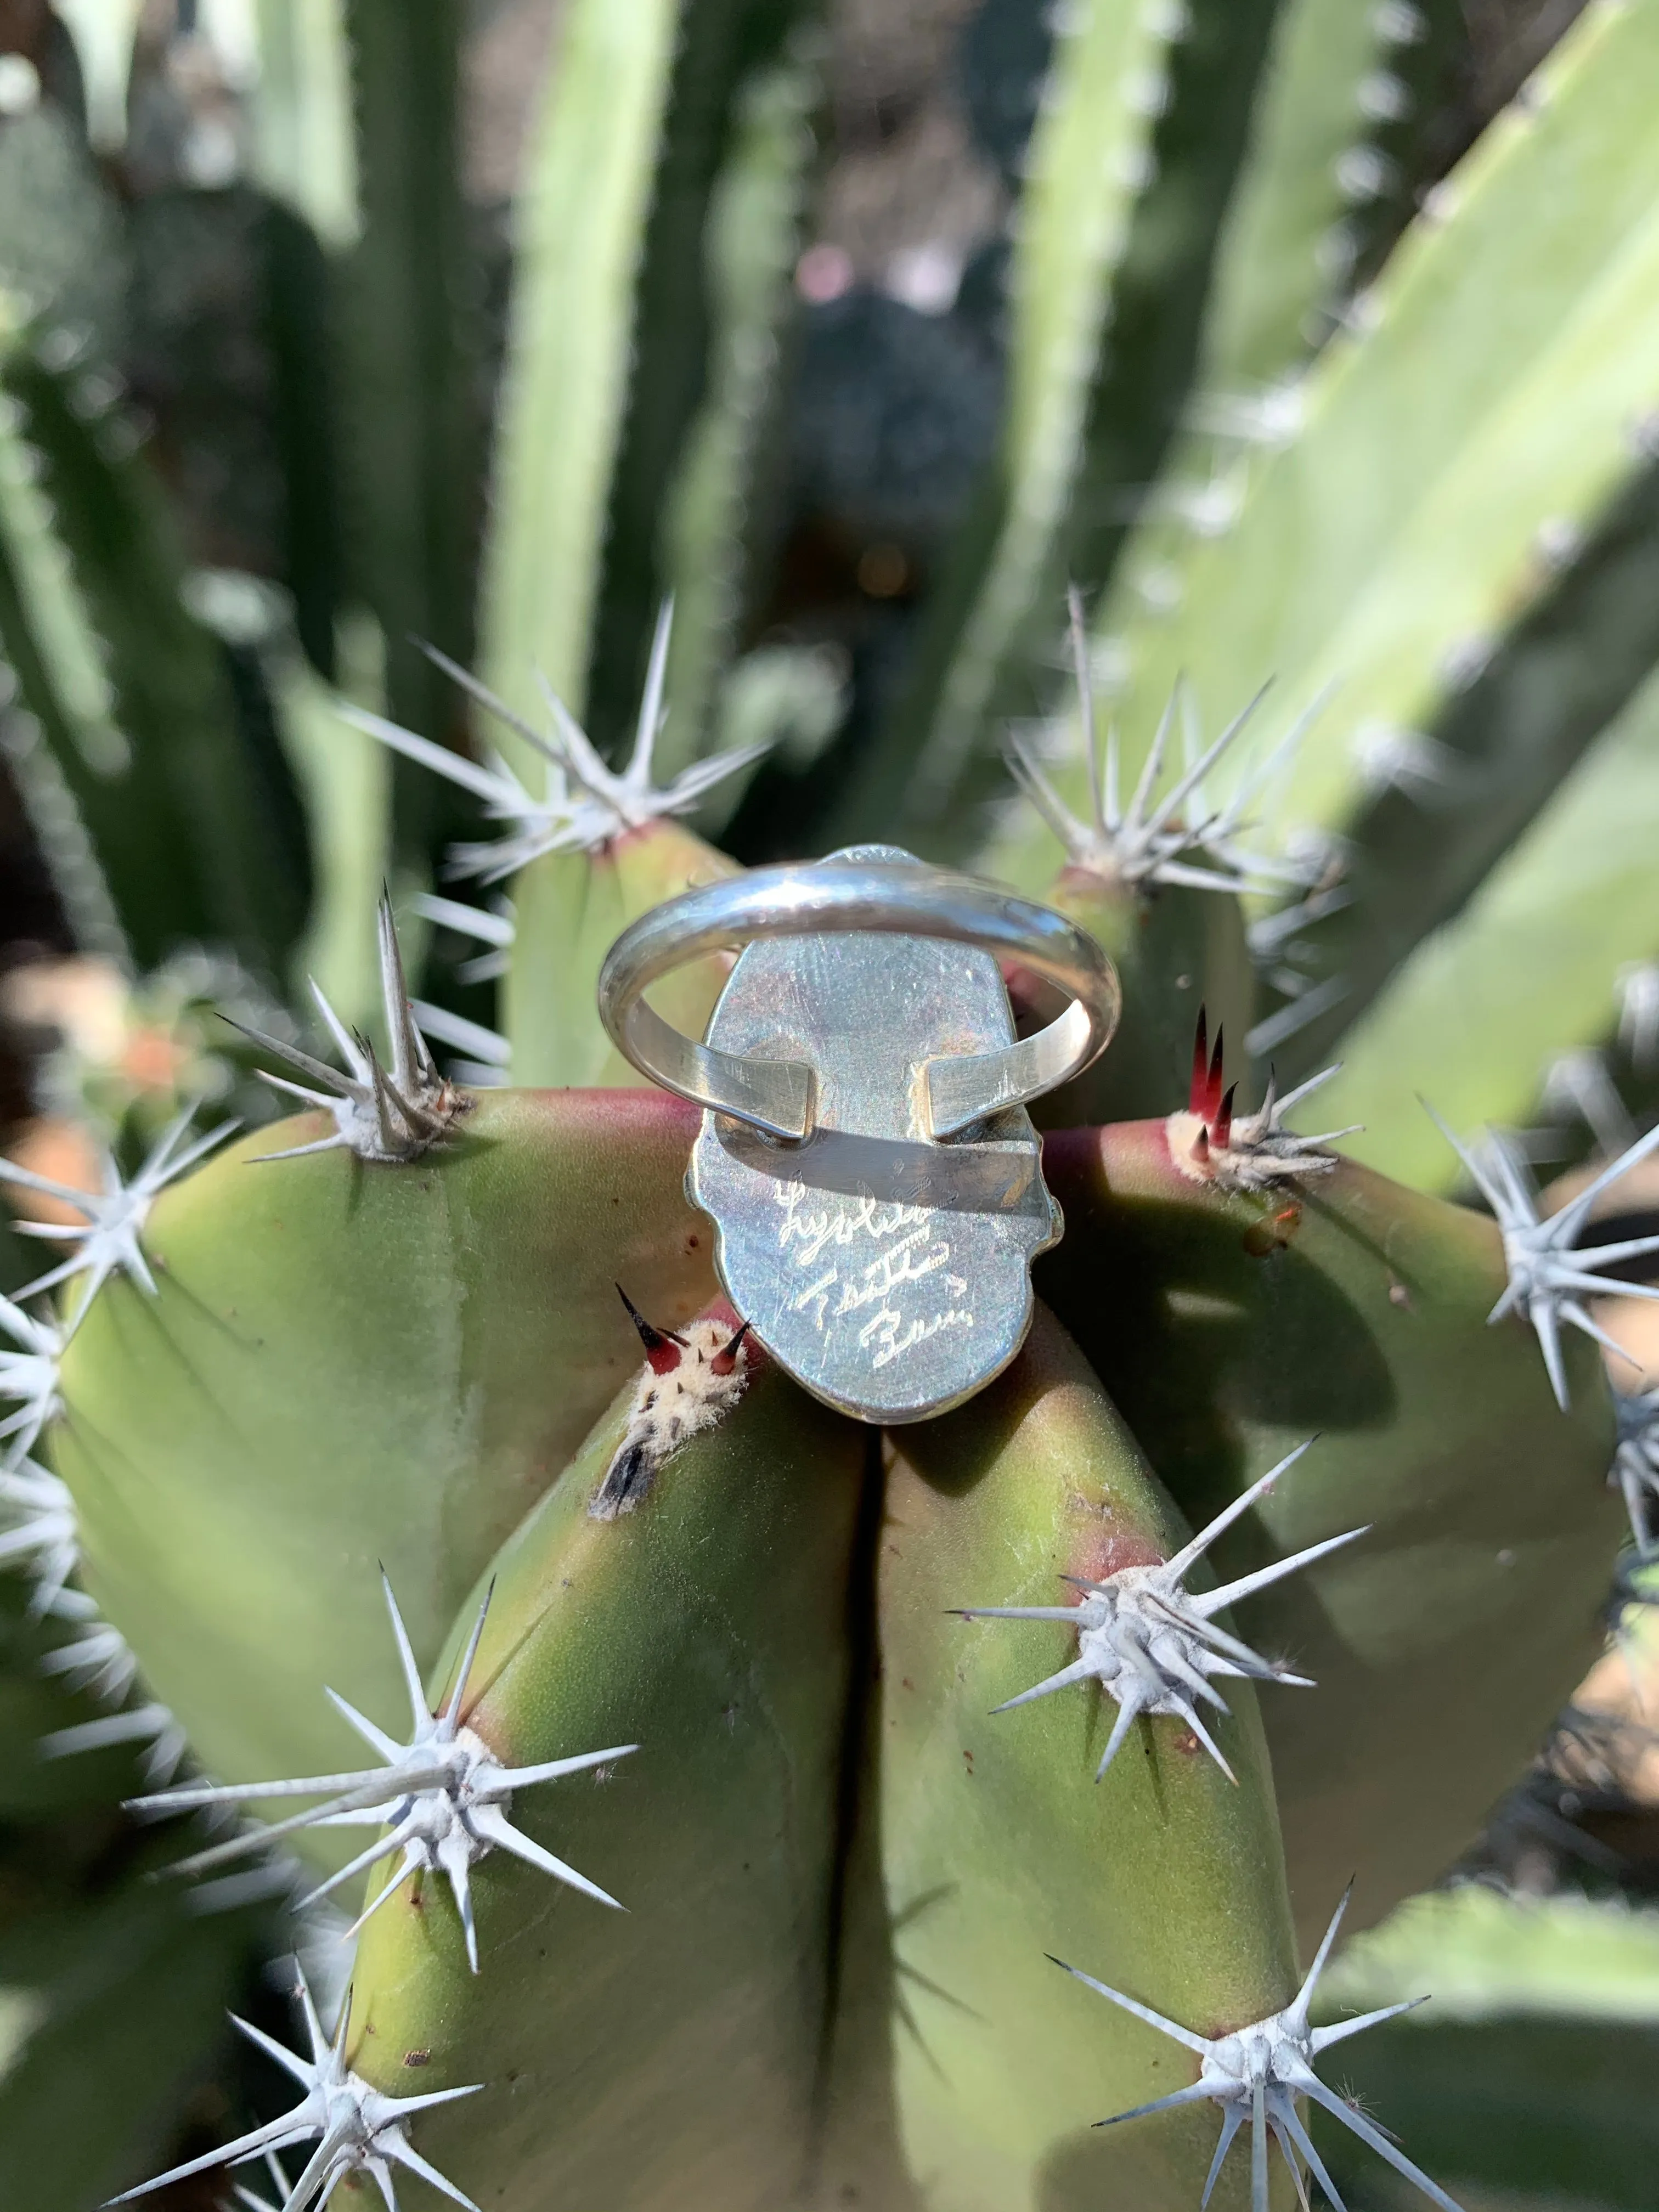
(1200, 1083)
(1212, 1088)
(1221, 1128)
(662, 1349)
(1204, 1093)
(725, 1360)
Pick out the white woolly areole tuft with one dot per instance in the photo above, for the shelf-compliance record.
(669, 1408)
(1209, 1144)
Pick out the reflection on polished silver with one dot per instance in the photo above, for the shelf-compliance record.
(896, 895)
(875, 1183)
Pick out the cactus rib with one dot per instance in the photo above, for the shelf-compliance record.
(358, 2126)
(109, 1241)
(1549, 1276)
(1257, 2072)
(444, 1795)
(1153, 1645)
(378, 1115)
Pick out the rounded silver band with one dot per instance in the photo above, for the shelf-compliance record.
(809, 899)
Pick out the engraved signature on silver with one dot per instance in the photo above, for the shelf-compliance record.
(917, 1255)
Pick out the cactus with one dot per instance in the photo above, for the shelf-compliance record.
(405, 1515)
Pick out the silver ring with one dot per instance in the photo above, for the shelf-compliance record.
(809, 899)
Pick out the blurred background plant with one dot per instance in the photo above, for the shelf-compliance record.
(335, 330)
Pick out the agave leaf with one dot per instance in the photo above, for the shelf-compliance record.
(1281, 260)
(1139, 135)
(349, 1366)
(1528, 970)
(1231, 1328)
(304, 150)
(582, 213)
(1276, 271)
(410, 342)
(1504, 749)
(665, 2057)
(1414, 510)
(708, 527)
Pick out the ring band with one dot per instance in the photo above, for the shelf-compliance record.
(811, 899)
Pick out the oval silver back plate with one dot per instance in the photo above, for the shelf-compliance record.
(890, 1274)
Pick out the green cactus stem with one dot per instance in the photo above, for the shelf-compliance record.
(667, 2056)
(108, 1975)
(449, 1322)
(998, 1846)
(1137, 144)
(146, 787)
(718, 513)
(1229, 1322)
